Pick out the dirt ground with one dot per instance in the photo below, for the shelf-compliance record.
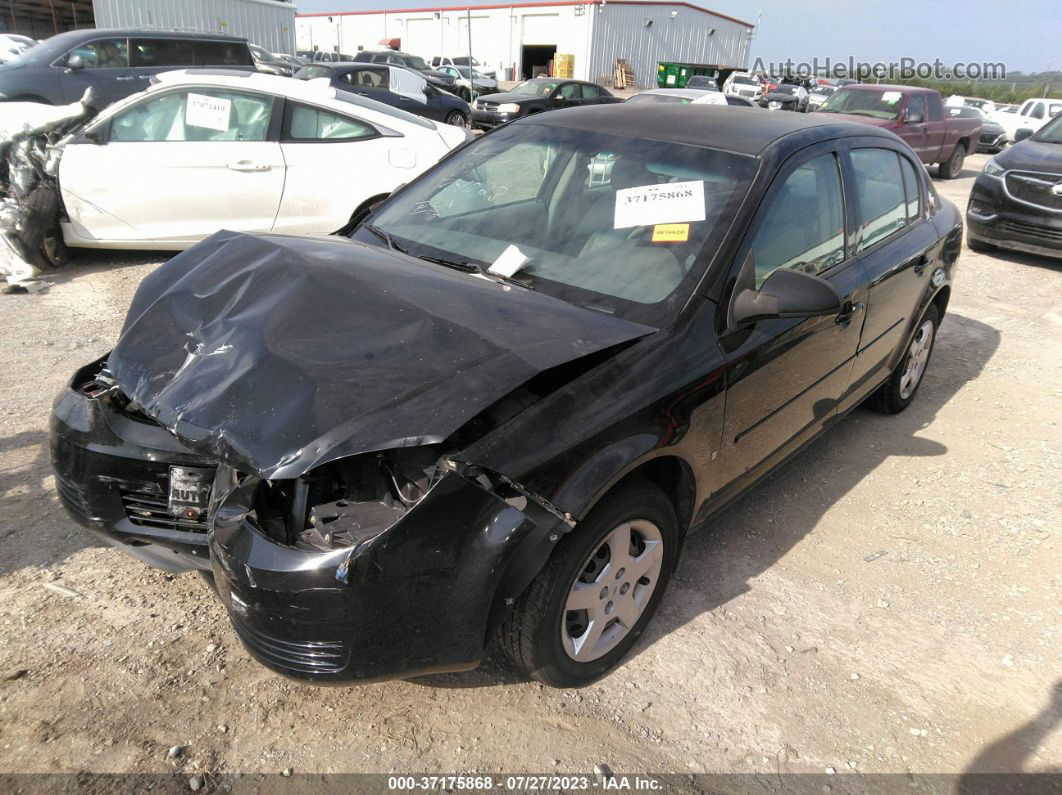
(891, 601)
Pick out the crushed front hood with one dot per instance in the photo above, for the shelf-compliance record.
(278, 354)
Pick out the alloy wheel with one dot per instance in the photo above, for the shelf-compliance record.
(917, 357)
(612, 590)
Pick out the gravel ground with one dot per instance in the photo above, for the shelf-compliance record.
(888, 602)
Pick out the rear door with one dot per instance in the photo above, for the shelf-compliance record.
(178, 166)
(593, 94)
(785, 377)
(897, 247)
(148, 57)
(335, 162)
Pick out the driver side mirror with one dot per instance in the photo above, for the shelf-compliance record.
(785, 293)
(914, 117)
(1022, 134)
(75, 63)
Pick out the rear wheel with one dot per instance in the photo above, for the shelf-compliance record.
(952, 167)
(896, 394)
(591, 602)
(457, 118)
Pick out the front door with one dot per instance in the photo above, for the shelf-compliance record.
(785, 376)
(177, 167)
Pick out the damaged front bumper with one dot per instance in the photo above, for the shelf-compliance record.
(418, 597)
(112, 471)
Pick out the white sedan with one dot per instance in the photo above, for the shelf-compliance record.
(210, 149)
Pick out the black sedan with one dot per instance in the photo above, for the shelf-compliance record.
(1016, 201)
(499, 408)
(536, 96)
(392, 85)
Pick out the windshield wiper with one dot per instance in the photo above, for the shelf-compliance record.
(468, 267)
(384, 237)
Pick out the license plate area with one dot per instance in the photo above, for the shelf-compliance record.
(189, 491)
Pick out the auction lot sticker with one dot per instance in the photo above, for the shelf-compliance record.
(673, 203)
(211, 113)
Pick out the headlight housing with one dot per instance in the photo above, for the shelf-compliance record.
(508, 107)
(993, 168)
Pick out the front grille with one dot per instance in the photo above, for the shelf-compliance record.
(1030, 230)
(305, 657)
(146, 506)
(1035, 188)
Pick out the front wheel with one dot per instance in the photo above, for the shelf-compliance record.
(457, 119)
(896, 394)
(591, 602)
(952, 167)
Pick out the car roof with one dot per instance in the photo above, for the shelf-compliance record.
(316, 91)
(93, 33)
(747, 131)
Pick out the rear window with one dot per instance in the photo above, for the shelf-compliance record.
(313, 71)
(161, 52)
(221, 53)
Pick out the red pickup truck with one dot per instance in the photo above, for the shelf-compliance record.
(916, 115)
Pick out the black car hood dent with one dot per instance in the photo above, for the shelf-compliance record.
(1032, 155)
(278, 354)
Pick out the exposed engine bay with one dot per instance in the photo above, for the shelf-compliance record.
(31, 137)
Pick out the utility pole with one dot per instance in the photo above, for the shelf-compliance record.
(471, 73)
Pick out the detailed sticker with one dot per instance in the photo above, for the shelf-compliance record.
(508, 262)
(671, 233)
(672, 203)
(891, 96)
(211, 113)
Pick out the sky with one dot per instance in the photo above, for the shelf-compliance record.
(1025, 36)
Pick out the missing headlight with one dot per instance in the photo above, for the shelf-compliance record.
(347, 502)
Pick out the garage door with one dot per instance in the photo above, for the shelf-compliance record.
(541, 29)
(480, 36)
(422, 37)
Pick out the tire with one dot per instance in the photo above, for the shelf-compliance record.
(537, 636)
(457, 118)
(42, 237)
(952, 167)
(896, 394)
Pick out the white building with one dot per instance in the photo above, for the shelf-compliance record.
(521, 38)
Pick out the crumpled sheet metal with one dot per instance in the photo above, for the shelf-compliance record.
(278, 354)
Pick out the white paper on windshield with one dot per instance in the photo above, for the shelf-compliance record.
(508, 262)
(891, 96)
(673, 203)
(211, 113)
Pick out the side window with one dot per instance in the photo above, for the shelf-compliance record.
(910, 190)
(196, 115)
(803, 226)
(103, 54)
(313, 124)
(590, 91)
(1037, 111)
(570, 91)
(917, 106)
(490, 184)
(935, 105)
(220, 53)
(879, 187)
(161, 52)
(369, 78)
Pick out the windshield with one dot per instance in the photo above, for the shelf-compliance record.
(746, 81)
(417, 62)
(536, 88)
(613, 223)
(785, 88)
(874, 104)
(1050, 133)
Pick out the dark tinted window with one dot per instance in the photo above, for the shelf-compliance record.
(570, 91)
(935, 105)
(1037, 111)
(803, 226)
(880, 189)
(221, 53)
(161, 52)
(590, 91)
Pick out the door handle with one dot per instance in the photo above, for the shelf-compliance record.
(125, 78)
(847, 312)
(249, 165)
(920, 263)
